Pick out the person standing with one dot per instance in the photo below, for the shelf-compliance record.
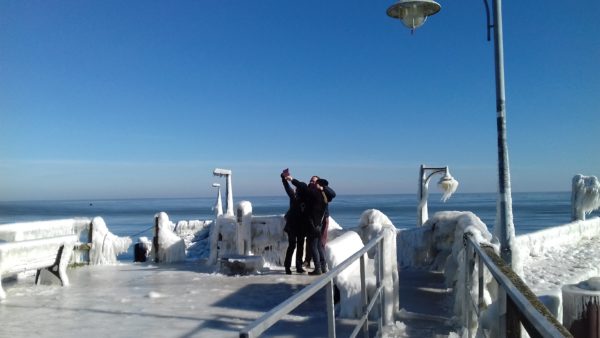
(329, 196)
(317, 204)
(296, 219)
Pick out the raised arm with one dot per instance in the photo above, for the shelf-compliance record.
(288, 189)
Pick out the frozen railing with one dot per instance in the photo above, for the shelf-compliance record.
(256, 328)
(95, 245)
(521, 305)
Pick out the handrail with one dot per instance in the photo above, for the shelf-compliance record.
(527, 308)
(267, 320)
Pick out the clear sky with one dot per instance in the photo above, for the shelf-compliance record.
(112, 98)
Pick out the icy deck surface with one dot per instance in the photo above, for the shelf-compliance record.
(189, 300)
(565, 264)
(184, 300)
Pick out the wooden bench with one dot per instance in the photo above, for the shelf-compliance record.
(51, 253)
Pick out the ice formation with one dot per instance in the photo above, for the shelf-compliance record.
(105, 245)
(373, 223)
(42, 229)
(581, 303)
(348, 281)
(268, 238)
(438, 245)
(448, 186)
(585, 196)
(171, 248)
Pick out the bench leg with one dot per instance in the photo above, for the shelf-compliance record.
(64, 256)
(37, 276)
(59, 268)
(2, 293)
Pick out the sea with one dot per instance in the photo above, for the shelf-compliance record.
(135, 217)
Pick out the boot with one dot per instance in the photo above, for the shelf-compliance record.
(324, 268)
(315, 272)
(300, 270)
(288, 271)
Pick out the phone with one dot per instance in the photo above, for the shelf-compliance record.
(286, 172)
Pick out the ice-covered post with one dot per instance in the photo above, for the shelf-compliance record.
(229, 192)
(155, 239)
(218, 208)
(447, 183)
(244, 221)
(373, 223)
(581, 308)
(585, 196)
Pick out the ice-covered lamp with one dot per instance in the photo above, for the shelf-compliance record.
(447, 184)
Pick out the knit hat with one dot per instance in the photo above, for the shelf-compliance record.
(322, 182)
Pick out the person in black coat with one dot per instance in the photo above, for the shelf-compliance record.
(316, 205)
(329, 196)
(296, 219)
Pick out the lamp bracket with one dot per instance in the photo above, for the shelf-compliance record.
(487, 13)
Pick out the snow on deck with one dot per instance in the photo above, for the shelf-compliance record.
(557, 256)
(167, 300)
(190, 300)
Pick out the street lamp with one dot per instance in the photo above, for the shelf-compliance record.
(504, 227)
(447, 183)
(218, 207)
(413, 13)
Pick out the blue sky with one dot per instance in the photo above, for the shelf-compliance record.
(104, 99)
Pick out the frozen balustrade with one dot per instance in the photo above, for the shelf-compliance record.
(42, 229)
(96, 245)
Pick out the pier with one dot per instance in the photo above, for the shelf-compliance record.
(192, 300)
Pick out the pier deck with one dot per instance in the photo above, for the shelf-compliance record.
(184, 300)
(190, 300)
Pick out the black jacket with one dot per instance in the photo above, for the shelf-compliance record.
(316, 205)
(296, 218)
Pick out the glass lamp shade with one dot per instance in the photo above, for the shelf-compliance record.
(413, 13)
(413, 17)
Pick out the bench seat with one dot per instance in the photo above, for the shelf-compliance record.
(51, 253)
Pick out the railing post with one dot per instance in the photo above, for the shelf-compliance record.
(380, 282)
(155, 240)
(330, 309)
(480, 301)
(363, 294)
(513, 324)
(467, 301)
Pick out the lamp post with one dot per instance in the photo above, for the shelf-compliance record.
(413, 14)
(218, 207)
(447, 183)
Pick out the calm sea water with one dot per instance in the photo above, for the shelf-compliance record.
(134, 217)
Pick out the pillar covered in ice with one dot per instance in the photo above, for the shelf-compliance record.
(581, 308)
(372, 223)
(244, 220)
(585, 196)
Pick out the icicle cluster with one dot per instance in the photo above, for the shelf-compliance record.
(105, 245)
(587, 193)
(171, 248)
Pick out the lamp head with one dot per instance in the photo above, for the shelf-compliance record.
(448, 185)
(413, 13)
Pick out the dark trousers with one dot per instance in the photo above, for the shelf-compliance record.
(296, 242)
(318, 253)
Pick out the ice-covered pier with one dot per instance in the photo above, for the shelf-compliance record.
(191, 299)
(427, 271)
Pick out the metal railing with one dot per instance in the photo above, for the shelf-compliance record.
(521, 305)
(260, 325)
